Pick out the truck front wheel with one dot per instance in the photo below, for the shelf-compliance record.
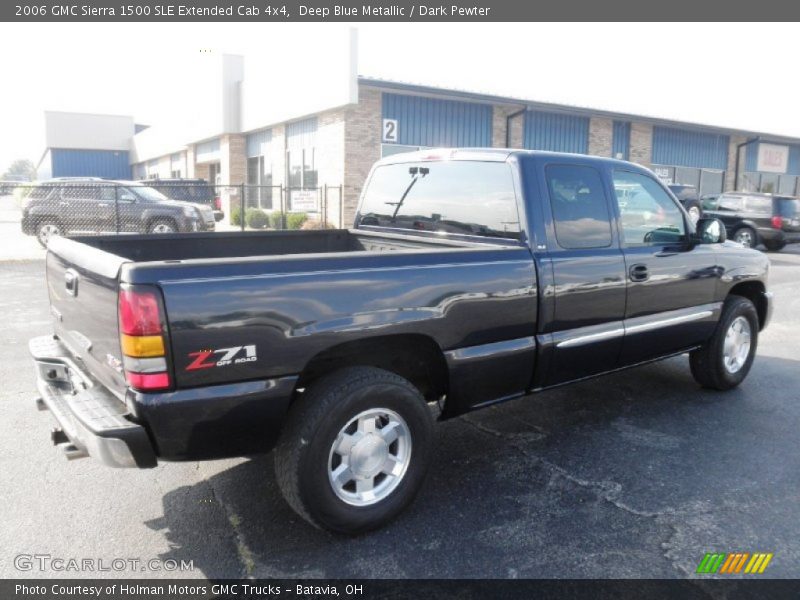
(724, 361)
(354, 449)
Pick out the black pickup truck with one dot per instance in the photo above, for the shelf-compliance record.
(470, 277)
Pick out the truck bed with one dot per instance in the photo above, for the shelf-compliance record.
(290, 293)
(149, 248)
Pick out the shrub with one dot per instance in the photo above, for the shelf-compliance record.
(295, 220)
(316, 225)
(275, 220)
(236, 217)
(256, 218)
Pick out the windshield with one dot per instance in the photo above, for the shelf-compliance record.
(466, 197)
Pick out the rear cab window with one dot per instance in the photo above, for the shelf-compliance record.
(458, 197)
(580, 209)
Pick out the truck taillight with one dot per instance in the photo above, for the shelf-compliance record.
(141, 339)
(777, 222)
(217, 203)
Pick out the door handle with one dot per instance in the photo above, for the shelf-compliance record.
(71, 282)
(638, 273)
(103, 204)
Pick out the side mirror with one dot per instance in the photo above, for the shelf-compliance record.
(710, 231)
(127, 197)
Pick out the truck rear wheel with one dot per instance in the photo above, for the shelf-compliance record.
(724, 361)
(355, 449)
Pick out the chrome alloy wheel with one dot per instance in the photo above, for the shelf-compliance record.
(162, 228)
(47, 232)
(369, 457)
(736, 347)
(745, 238)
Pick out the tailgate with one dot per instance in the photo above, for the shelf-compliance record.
(789, 211)
(82, 283)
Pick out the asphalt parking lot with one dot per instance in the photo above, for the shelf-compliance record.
(637, 474)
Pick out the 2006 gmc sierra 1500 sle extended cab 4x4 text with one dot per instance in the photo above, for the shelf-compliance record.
(470, 277)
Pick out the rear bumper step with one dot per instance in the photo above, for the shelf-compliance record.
(92, 421)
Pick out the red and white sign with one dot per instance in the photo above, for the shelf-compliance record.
(772, 158)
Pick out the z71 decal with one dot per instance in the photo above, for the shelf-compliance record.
(222, 357)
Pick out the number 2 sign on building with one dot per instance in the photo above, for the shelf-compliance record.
(390, 131)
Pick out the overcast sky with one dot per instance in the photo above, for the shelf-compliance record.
(736, 75)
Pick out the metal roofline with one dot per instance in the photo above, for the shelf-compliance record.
(437, 92)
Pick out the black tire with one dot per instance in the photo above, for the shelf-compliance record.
(746, 236)
(774, 246)
(162, 226)
(707, 363)
(304, 449)
(46, 228)
(698, 211)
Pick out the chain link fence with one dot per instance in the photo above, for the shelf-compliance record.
(31, 214)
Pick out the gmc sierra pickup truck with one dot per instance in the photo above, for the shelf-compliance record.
(470, 277)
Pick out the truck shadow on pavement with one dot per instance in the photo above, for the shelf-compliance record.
(601, 479)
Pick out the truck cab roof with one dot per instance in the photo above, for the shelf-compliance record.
(493, 155)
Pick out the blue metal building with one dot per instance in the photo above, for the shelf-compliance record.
(65, 162)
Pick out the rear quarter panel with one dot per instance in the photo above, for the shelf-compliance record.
(294, 307)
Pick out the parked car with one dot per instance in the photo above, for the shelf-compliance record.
(197, 191)
(752, 218)
(8, 186)
(72, 206)
(687, 195)
(334, 346)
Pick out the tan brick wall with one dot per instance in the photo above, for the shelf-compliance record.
(641, 149)
(730, 171)
(233, 159)
(499, 120)
(201, 171)
(165, 167)
(191, 169)
(330, 147)
(601, 132)
(232, 170)
(362, 146)
(278, 157)
(330, 158)
(518, 131)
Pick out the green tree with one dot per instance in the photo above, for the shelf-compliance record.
(21, 169)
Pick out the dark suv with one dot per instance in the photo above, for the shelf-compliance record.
(752, 218)
(688, 196)
(65, 207)
(198, 191)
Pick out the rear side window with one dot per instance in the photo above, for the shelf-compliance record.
(731, 203)
(580, 209)
(463, 197)
(757, 204)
